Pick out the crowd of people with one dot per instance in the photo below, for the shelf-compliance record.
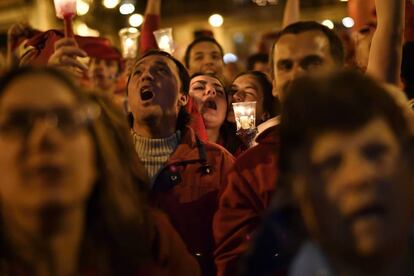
(136, 167)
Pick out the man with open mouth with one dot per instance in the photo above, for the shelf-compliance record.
(187, 175)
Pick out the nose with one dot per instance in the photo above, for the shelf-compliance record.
(237, 97)
(210, 91)
(297, 72)
(147, 75)
(43, 134)
(356, 173)
(208, 60)
(99, 63)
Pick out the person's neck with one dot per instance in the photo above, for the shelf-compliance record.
(156, 127)
(48, 241)
(213, 134)
(389, 265)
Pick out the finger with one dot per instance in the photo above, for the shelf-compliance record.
(24, 60)
(66, 41)
(70, 61)
(70, 51)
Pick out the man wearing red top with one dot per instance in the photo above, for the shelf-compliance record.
(303, 48)
(187, 175)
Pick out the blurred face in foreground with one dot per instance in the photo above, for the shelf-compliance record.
(356, 192)
(296, 55)
(47, 154)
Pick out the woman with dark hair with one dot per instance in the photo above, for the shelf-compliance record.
(217, 112)
(255, 86)
(73, 192)
(210, 97)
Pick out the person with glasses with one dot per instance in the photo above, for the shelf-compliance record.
(72, 191)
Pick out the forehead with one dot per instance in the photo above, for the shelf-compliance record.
(297, 46)
(377, 130)
(36, 91)
(156, 60)
(205, 79)
(246, 80)
(205, 47)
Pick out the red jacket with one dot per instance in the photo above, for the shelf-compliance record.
(250, 186)
(187, 189)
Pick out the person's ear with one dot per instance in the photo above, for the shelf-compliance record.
(182, 99)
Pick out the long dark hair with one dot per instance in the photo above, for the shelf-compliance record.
(118, 229)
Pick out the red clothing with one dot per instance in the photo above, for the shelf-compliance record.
(147, 39)
(197, 122)
(409, 21)
(250, 186)
(44, 45)
(187, 189)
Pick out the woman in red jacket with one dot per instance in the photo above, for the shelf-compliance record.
(73, 193)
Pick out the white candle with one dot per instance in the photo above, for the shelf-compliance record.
(245, 122)
(65, 8)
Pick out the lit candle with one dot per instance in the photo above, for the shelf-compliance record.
(165, 40)
(245, 122)
(66, 10)
(245, 115)
(129, 42)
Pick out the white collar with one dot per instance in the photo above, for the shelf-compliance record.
(266, 125)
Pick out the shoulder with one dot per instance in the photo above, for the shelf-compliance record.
(257, 152)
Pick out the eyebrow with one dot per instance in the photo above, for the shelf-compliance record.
(251, 87)
(200, 81)
(210, 52)
(162, 63)
(284, 60)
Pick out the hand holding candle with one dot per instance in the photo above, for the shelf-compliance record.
(245, 115)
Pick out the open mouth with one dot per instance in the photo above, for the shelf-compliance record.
(210, 104)
(146, 94)
(49, 172)
(369, 211)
